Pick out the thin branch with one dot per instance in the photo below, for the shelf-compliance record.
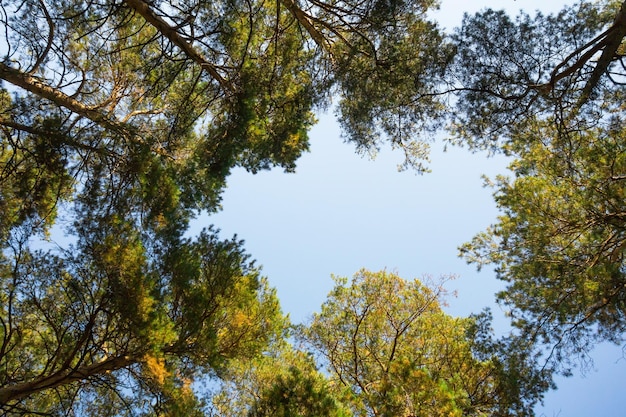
(44, 54)
(57, 135)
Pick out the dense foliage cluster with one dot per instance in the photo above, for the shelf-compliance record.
(388, 349)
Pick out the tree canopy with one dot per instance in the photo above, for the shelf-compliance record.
(509, 73)
(109, 329)
(560, 240)
(386, 349)
(120, 120)
(283, 382)
(388, 341)
(549, 92)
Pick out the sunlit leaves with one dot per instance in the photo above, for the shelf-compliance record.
(388, 341)
(282, 382)
(71, 321)
(560, 241)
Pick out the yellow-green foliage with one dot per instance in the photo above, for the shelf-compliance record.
(389, 342)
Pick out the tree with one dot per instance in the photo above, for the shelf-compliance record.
(560, 240)
(120, 120)
(548, 91)
(389, 342)
(299, 394)
(108, 329)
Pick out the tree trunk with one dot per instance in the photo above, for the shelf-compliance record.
(24, 389)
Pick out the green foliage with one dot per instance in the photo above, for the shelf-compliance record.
(547, 91)
(390, 92)
(510, 72)
(389, 350)
(108, 318)
(298, 395)
(33, 176)
(388, 341)
(124, 119)
(282, 382)
(515, 365)
(560, 242)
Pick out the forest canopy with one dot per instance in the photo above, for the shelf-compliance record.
(121, 120)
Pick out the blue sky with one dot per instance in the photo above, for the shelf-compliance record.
(340, 212)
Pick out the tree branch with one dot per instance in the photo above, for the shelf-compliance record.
(36, 86)
(612, 42)
(57, 135)
(44, 54)
(305, 21)
(22, 390)
(170, 33)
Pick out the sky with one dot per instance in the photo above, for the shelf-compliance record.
(341, 212)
